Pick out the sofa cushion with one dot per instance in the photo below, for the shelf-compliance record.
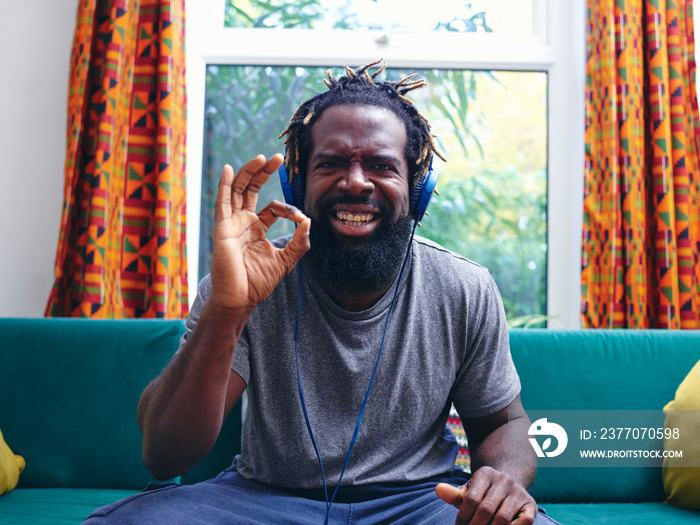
(682, 475)
(11, 466)
(619, 514)
(54, 506)
(568, 370)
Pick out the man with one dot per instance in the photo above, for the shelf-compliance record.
(367, 305)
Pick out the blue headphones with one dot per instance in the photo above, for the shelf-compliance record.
(420, 194)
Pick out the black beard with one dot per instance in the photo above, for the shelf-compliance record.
(369, 268)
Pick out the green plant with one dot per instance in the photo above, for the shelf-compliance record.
(481, 218)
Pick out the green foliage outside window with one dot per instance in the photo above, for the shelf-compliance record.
(339, 14)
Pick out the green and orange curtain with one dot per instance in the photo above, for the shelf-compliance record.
(121, 249)
(641, 224)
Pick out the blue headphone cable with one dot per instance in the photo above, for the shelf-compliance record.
(369, 388)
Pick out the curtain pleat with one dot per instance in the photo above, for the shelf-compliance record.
(121, 249)
(641, 212)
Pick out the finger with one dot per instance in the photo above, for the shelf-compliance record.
(473, 495)
(507, 509)
(491, 508)
(449, 494)
(298, 246)
(250, 197)
(268, 169)
(526, 515)
(222, 206)
(497, 507)
(275, 210)
(242, 180)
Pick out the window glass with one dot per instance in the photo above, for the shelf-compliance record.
(491, 126)
(513, 17)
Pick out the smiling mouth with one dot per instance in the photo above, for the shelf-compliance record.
(355, 219)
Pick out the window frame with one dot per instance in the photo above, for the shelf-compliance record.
(556, 47)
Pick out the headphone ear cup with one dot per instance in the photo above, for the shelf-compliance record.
(287, 191)
(422, 192)
(298, 189)
(293, 191)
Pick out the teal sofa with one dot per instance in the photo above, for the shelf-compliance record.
(613, 371)
(69, 389)
(68, 395)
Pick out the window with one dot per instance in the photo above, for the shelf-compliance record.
(502, 167)
(504, 16)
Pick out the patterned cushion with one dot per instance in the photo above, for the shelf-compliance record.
(454, 423)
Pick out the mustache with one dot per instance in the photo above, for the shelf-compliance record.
(360, 200)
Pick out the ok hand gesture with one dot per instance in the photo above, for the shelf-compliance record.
(246, 267)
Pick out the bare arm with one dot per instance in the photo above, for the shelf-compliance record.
(500, 441)
(503, 468)
(181, 411)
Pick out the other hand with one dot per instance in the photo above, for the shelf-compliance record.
(490, 497)
(245, 266)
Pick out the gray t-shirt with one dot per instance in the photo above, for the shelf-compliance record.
(446, 342)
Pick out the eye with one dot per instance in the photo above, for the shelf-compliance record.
(384, 168)
(326, 164)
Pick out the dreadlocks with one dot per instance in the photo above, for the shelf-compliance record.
(361, 87)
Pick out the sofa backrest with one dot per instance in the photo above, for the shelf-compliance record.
(69, 390)
(68, 395)
(618, 370)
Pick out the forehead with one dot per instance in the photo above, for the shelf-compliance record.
(359, 126)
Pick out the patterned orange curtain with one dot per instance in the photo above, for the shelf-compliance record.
(641, 232)
(121, 249)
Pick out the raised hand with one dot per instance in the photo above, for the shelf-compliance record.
(246, 267)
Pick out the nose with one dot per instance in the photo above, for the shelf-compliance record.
(355, 181)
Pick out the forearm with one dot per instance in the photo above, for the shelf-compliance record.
(181, 412)
(507, 449)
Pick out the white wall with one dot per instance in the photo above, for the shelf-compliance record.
(35, 46)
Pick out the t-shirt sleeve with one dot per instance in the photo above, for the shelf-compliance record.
(486, 381)
(241, 361)
(240, 357)
(203, 292)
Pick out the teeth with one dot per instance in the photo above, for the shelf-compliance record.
(355, 219)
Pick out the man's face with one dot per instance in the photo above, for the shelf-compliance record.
(357, 174)
(357, 195)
